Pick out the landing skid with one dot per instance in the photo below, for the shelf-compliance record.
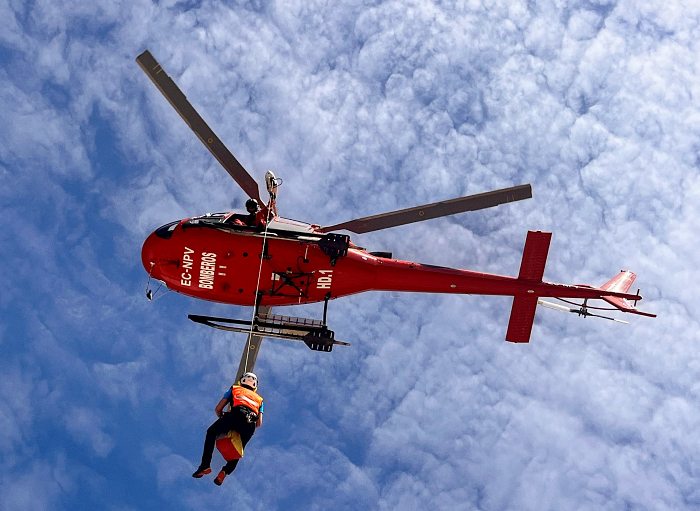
(314, 333)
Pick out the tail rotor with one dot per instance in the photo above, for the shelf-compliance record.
(581, 310)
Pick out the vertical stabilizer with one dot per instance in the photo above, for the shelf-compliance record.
(621, 283)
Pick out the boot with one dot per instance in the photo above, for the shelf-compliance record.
(201, 471)
(220, 478)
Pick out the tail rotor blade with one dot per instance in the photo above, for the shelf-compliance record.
(556, 306)
(580, 311)
(434, 210)
(608, 317)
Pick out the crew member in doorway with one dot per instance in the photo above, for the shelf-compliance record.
(256, 215)
(245, 415)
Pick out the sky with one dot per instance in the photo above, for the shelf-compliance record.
(361, 107)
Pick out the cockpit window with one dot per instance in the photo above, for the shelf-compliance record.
(209, 217)
(166, 231)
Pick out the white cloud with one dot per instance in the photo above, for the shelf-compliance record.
(37, 486)
(16, 397)
(86, 427)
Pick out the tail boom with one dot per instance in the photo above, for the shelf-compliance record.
(526, 288)
(522, 314)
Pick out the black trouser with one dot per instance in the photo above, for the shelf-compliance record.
(235, 420)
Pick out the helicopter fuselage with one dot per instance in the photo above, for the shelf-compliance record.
(284, 262)
(207, 259)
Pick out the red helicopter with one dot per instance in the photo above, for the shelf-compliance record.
(264, 260)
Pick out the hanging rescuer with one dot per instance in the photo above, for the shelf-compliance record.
(233, 429)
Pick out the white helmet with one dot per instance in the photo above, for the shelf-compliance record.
(250, 380)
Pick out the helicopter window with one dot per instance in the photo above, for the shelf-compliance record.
(166, 231)
(211, 217)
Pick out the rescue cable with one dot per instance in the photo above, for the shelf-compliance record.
(257, 288)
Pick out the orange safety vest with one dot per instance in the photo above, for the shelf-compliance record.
(241, 396)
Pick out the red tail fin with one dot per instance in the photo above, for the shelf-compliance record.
(621, 283)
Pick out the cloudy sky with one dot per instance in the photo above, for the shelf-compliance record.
(361, 107)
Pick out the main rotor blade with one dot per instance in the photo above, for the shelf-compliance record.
(434, 210)
(179, 101)
(251, 349)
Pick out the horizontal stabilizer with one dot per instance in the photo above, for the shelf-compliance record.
(535, 255)
(522, 316)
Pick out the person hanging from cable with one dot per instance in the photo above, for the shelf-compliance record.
(244, 416)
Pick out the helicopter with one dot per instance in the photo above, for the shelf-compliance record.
(263, 260)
